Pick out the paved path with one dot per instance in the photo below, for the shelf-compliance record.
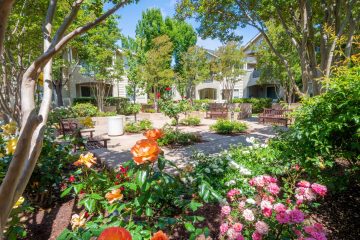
(119, 147)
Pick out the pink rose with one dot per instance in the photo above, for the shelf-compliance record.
(225, 210)
(267, 212)
(269, 179)
(232, 234)
(266, 204)
(283, 217)
(223, 228)
(261, 227)
(303, 183)
(273, 188)
(240, 237)
(241, 205)
(256, 236)
(248, 215)
(319, 189)
(296, 216)
(237, 227)
(279, 207)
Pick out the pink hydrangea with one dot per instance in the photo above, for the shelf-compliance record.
(223, 228)
(273, 188)
(265, 204)
(296, 216)
(319, 189)
(238, 227)
(256, 236)
(225, 210)
(283, 217)
(261, 227)
(279, 207)
(304, 184)
(248, 215)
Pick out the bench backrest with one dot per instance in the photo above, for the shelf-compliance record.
(276, 112)
(218, 107)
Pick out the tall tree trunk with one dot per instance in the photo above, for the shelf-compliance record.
(59, 97)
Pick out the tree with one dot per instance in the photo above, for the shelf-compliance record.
(270, 68)
(97, 55)
(33, 120)
(195, 69)
(153, 25)
(310, 26)
(157, 67)
(228, 66)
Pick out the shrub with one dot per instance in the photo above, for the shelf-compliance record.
(258, 104)
(59, 113)
(189, 121)
(172, 109)
(137, 127)
(78, 100)
(176, 137)
(85, 110)
(106, 114)
(224, 126)
(201, 104)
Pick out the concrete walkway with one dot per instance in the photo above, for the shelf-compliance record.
(119, 147)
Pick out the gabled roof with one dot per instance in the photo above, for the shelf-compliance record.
(252, 41)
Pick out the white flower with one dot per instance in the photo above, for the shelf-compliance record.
(233, 165)
(246, 152)
(263, 145)
(207, 170)
(250, 201)
(245, 171)
(230, 183)
(191, 179)
(250, 139)
(256, 145)
(77, 221)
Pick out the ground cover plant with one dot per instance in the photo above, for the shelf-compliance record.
(224, 126)
(188, 121)
(139, 126)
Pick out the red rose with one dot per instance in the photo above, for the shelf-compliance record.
(72, 179)
(168, 88)
(122, 188)
(158, 95)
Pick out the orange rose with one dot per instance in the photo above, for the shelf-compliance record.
(87, 160)
(114, 195)
(154, 134)
(115, 233)
(160, 235)
(145, 150)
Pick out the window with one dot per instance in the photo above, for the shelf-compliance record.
(271, 92)
(236, 93)
(85, 91)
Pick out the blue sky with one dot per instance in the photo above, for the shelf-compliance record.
(131, 14)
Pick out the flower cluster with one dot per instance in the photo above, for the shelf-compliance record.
(87, 122)
(88, 160)
(306, 191)
(267, 215)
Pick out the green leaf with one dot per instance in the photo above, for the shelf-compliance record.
(189, 227)
(141, 177)
(96, 196)
(78, 187)
(161, 163)
(149, 212)
(66, 192)
(194, 205)
(90, 204)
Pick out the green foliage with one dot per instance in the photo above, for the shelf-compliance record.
(84, 110)
(137, 127)
(228, 66)
(224, 126)
(172, 109)
(201, 104)
(190, 121)
(176, 137)
(258, 104)
(195, 69)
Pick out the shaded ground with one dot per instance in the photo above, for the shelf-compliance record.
(340, 214)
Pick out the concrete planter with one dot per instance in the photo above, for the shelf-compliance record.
(116, 125)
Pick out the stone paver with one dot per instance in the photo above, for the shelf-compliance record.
(119, 147)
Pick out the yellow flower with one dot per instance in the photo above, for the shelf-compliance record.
(77, 221)
(41, 79)
(19, 202)
(9, 129)
(114, 195)
(87, 159)
(11, 146)
(87, 122)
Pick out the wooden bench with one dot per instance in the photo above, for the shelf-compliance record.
(217, 110)
(69, 127)
(275, 116)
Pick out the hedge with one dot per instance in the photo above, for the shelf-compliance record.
(258, 104)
